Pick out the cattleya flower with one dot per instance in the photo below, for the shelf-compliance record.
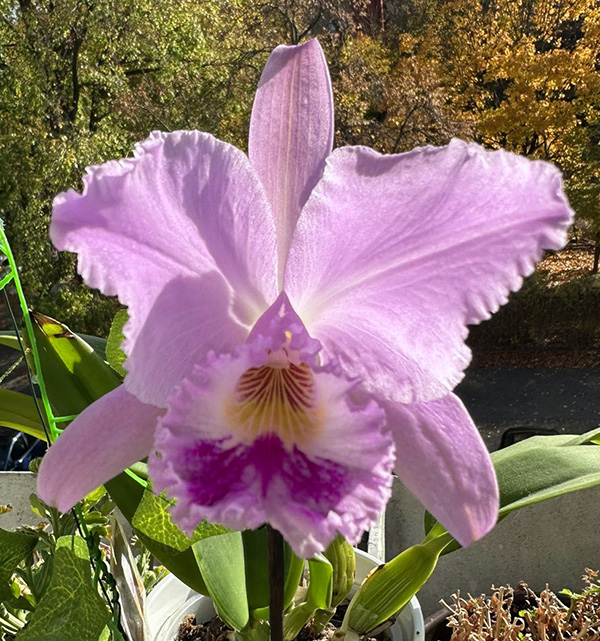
(298, 316)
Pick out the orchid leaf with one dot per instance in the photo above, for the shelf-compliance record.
(342, 557)
(537, 469)
(97, 343)
(388, 588)
(318, 597)
(74, 374)
(8, 338)
(18, 412)
(14, 547)
(256, 558)
(114, 353)
(256, 561)
(320, 588)
(292, 577)
(543, 467)
(221, 561)
(71, 608)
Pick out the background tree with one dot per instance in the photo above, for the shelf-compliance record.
(82, 80)
(524, 74)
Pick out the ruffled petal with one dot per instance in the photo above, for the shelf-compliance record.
(394, 255)
(235, 449)
(108, 436)
(443, 461)
(291, 131)
(185, 205)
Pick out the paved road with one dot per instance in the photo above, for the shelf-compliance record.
(567, 400)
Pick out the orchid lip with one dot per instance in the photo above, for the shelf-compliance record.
(276, 398)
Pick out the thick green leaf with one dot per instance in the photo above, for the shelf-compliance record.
(342, 557)
(156, 530)
(391, 586)
(221, 561)
(543, 467)
(256, 558)
(18, 411)
(114, 353)
(97, 343)
(318, 597)
(71, 608)
(14, 547)
(538, 469)
(9, 339)
(73, 373)
(320, 587)
(256, 561)
(292, 579)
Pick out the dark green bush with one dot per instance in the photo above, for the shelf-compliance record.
(564, 316)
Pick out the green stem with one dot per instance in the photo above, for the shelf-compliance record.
(276, 583)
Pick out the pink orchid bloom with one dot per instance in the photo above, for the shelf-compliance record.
(298, 316)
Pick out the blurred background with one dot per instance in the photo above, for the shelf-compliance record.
(82, 80)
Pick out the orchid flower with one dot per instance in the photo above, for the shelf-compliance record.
(298, 316)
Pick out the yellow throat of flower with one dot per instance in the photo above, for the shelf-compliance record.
(277, 398)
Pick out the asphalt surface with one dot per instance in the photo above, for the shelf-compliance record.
(562, 400)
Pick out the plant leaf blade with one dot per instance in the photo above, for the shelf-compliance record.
(18, 412)
(71, 609)
(221, 561)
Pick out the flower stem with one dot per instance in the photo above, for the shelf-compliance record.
(276, 584)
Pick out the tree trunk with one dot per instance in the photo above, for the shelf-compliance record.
(596, 255)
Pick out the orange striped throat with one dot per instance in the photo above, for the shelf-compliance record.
(278, 398)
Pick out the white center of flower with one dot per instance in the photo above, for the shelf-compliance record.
(277, 398)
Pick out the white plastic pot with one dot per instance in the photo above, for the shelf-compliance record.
(171, 600)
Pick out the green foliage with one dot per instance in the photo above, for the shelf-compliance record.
(71, 609)
(342, 557)
(318, 597)
(172, 549)
(14, 547)
(18, 411)
(565, 316)
(114, 354)
(343, 562)
(152, 518)
(543, 467)
(79, 84)
(221, 561)
(392, 585)
(538, 469)
(36, 574)
(256, 561)
(74, 374)
(531, 471)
